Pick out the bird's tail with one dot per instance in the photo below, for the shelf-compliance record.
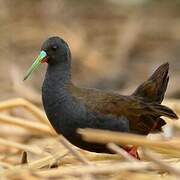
(161, 110)
(152, 91)
(151, 120)
(154, 88)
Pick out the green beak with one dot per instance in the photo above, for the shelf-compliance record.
(36, 64)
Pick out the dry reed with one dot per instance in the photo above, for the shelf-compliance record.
(70, 162)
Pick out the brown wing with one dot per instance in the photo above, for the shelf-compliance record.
(99, 101)
(142, 116)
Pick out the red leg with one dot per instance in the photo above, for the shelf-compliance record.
(132, 151)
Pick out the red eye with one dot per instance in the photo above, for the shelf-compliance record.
(54, 47)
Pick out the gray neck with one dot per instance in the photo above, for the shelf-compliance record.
(54, 89)
(58, 75)
(60, 106)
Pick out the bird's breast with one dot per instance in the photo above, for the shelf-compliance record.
(64, 113)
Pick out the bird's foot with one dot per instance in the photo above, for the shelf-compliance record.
(132, 151)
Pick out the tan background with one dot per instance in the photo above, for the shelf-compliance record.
(115, 44)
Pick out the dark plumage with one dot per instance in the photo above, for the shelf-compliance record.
(69, 107)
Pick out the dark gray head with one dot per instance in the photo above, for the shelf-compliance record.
(57, 50)
(54, 51)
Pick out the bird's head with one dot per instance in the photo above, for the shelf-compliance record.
(53, 51)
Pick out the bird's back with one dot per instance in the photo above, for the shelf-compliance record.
(142, 108)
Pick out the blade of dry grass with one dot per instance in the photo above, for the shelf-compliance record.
(34, 127)
(50, 159)
(74, 152)
(92, 157)
(118, 150)
(5, 165)
(19, 102)
(45, 161)
(33, 149)
(142, 176)
(79, 170)
(77, 155)
(104, 136)
(157, 160)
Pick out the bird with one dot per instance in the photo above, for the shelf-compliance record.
(69, 107)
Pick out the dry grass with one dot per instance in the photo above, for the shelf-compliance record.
(124, 37)
(46, 155)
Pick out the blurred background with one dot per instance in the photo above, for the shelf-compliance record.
(115, 44)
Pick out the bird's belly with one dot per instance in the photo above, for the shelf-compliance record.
(77, 141)
(69, 131)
